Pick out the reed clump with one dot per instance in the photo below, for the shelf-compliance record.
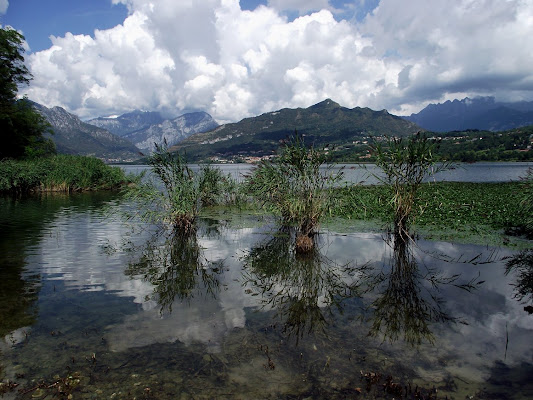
(296, 186)
(406, 163)
(173, 193)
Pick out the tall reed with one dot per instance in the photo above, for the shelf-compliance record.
(174, 193)
(406, 163)
(294, 186)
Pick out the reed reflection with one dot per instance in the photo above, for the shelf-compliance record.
(407, 300)
(303, 289)
(176, 267)
(522, 265)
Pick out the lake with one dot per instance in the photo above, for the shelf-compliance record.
(99, 309)
(364, 174)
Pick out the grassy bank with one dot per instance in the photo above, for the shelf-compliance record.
(65, 173)
(452, 210)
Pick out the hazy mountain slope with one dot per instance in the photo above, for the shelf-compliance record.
(324, 123)
(72, 136)
(480, 113)
(127, 123)
(172, 131)
(145, 129)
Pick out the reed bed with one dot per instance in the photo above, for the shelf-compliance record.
(59, 173)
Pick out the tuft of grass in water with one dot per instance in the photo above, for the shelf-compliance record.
(405, 163)
(174, 193)
(219, 189)
(294, 187)
(61, 173)
(170, 194)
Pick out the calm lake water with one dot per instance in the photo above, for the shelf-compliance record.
(477, 172)
(92, 307)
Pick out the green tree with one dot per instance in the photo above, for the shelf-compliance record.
(22, 127)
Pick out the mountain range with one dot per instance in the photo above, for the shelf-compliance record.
(73, 136)
(343, 130)
(123, 138)
(325, 123)
(483, 113)
(145, 129)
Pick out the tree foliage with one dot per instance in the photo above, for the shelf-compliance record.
(22, 127)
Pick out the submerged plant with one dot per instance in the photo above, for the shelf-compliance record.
(406, 163)
(294, 186)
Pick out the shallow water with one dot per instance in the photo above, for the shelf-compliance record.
(93, 309)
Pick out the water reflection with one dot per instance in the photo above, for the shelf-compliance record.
(399, 297)
(176, 267)
(522, 265)
(23, 222)
(408, 298)
(303, 289)
(19, 290)
(212, 344)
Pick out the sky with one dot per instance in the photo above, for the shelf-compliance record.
(236, 59)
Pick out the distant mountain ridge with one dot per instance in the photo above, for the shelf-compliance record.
(324, 123)
(130, 122)
(482, 113)
(146, 128)
(73, 136)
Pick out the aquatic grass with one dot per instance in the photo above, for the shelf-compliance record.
(362, 202)
(294, 187)
(74, 173)
(65, 173)
(526, 203)
(175, 194)
(405, 163)
(219, 189)
(171, 194)
(457, 207)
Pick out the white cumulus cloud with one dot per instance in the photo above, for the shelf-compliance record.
(301, 6)
(232, 63)
(4, 4)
